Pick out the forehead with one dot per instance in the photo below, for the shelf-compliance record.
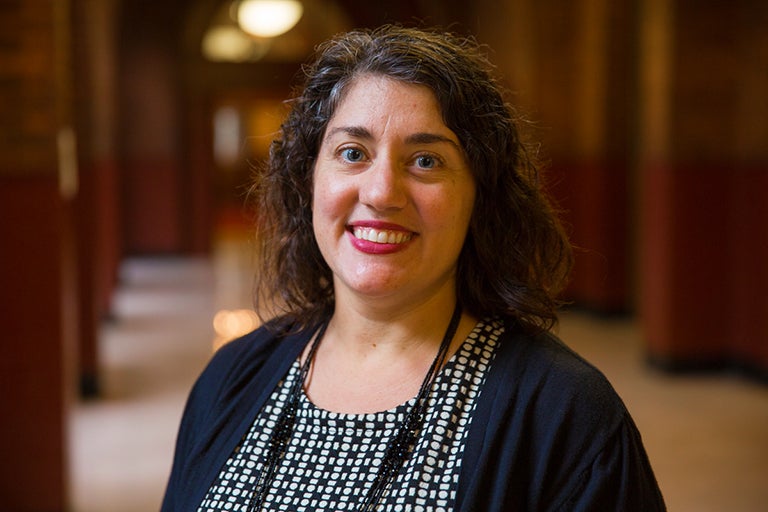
(379, 99)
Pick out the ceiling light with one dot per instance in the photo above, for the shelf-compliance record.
(227, 44)
(268, 18)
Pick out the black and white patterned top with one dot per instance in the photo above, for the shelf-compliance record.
(332, 458)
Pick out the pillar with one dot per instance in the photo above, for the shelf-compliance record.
(704, 173)
(38, 285)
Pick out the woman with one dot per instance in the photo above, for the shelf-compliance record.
(411, 263)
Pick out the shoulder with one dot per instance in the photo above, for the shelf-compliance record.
(237, 364)
(585, 449)
(545, 370)
(548, 417)
(552, 391)
(247, 349)
(238, 355)
(223, 401)
(541, 391)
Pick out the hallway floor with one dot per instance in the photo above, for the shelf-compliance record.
(707, 436)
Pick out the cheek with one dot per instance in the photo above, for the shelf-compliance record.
(451, 211)
(322, 194)
(320, 211)
(330, 203)
(467, 198)
(335, 189)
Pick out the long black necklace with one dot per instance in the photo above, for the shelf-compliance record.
(399, 447)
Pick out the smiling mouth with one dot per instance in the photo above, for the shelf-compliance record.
(381, 236)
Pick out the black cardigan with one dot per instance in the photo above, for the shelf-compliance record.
(549, 432)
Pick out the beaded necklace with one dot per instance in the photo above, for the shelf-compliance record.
(398, 450)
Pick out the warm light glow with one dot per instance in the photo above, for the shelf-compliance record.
(269, 18)
(229, 44)
(231, 324)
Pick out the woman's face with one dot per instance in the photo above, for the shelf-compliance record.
(393, 194)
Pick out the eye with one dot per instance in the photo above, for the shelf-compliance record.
(426, 162)
(353, 155)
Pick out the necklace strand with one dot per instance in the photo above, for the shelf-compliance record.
(398, 449)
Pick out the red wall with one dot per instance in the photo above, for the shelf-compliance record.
(38, 296)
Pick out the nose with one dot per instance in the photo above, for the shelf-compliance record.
(382, 186)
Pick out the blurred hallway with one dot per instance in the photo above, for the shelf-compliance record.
(159, 340)
(124, 138)
(707, 436)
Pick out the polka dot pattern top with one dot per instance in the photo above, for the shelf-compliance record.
(332, 458)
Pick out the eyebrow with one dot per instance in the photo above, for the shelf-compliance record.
(415, 138)
(354, 131)
(430, 138)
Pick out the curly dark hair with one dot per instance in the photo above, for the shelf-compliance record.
(516, 256)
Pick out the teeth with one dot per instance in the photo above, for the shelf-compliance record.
(381, 236)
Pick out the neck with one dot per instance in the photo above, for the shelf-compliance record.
(385, 369)
(361, 327)
(372, 357)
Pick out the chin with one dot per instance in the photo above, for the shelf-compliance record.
(374, 288)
